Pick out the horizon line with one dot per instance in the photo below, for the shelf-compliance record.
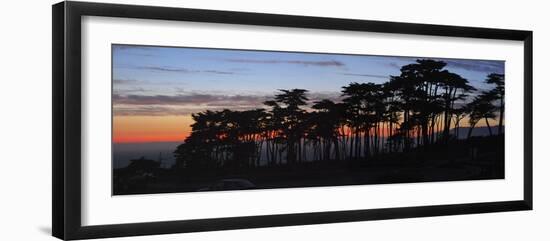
(183, 141)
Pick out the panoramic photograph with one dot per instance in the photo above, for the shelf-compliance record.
(202, 119)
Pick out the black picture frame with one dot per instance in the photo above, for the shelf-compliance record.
(66, 47)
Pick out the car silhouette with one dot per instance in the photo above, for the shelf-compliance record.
(230, 184)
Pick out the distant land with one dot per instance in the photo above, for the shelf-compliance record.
(124, 152)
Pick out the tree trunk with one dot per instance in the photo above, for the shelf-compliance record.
(357, 145)
(488, 126)
(425, 136)
(500, 121)
(390, 134)
(336, 148)
(367, 143)
(351, 143)
(470, 131)
(407, 133)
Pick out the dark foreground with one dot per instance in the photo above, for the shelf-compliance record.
(477, 159)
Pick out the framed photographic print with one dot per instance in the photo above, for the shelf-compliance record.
(170, 120)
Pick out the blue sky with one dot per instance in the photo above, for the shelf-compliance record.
(171, 78)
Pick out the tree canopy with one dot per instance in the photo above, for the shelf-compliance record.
(415, 109)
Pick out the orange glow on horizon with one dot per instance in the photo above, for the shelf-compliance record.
(140, 129)
(135, 129)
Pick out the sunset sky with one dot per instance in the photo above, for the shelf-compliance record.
(156, 89)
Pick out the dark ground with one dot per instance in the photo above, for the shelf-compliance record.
(480, 158)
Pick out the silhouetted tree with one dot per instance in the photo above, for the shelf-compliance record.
(413, 110)
(286, 107)
(455, 88)
(498, 94)
(480, 108)
(325, 124)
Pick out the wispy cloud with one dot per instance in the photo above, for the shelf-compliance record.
(329, 63)
(329, 95)
(186, 104)
(366, 75)
(162, 105)
(164, 69)
(485, 66)
(169, 110)
(183, 70)
(133, 47)
(124, 81)
(146, 111)
(217, 72)
(476, 65)
(135, 50)
(130, 90)
(188, 99)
